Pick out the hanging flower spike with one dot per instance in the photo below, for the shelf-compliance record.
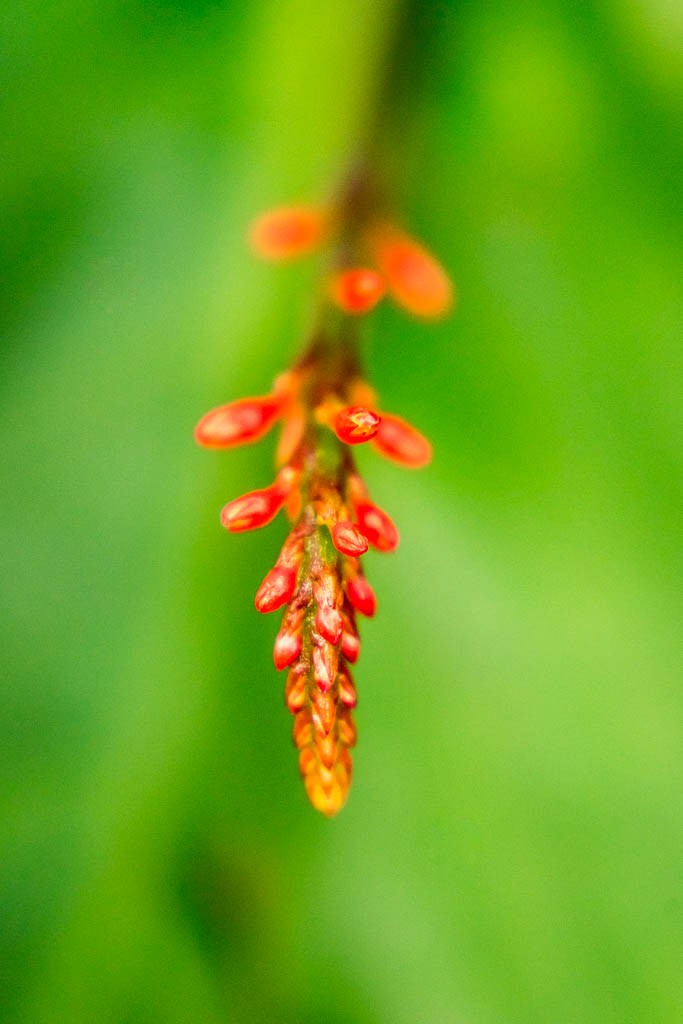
(325, 409)
(288, 232)
(415, 279)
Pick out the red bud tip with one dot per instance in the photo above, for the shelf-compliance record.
(361, 595)
(357, 291)
(287, 232)
(377, 527)
(350, 647)
(287, 648)
(356, 424)
(277, 589)
(397, 440)
(238, 423)
(328, 622)
(253, 510)
(348, 539)
(414, 277)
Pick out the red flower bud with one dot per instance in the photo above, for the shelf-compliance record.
(324, 666)
(356, 424)
(253, 510)
(287, 232)
(350, 647)
(404, 444)
(328, 622)
(357, 291)
(277, 589)
(348, 539)
(238, 423)
(287, 648)
(361, 595)
(377, 526)
(414, 277)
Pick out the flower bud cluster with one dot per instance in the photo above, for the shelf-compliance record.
(325, 409)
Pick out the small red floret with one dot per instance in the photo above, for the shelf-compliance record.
(416, 280)
(277, 589)
(361, 595)
(357, 291)
(356, 424)
(348, 539)
(238, 422)
(397, 440)
(350, 647)
(287, 232)
(329, 624)
(377, 526)
(287, 648)
(253, 510)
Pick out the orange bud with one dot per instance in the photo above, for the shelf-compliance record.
(347, 731)
(302, 730)
(277, 589)
(327, 749)
(238, 423)
(287, 648)
(295, 691)
(323, 712)
(287, 232)
(348, 539)
(397, 440)
(294, 425)
(253, 510)
(377, 526)
(414, 277)
(357, 291)
(356, 424)
(328, 622)
(361, 595)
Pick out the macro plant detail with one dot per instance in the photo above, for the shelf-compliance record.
(325, 408)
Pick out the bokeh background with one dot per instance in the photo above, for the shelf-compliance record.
(512, 850)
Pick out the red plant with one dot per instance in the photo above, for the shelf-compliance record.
(325, 408)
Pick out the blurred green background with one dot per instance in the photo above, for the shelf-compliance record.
(512, 850)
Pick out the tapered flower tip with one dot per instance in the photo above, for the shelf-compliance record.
(277, 589)
(357, 291)
(237, 423)
(377, 526)
(356, 424)
(328, 799)
(398, 441)
(415, 279)
(287, 232)
(253, 510)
